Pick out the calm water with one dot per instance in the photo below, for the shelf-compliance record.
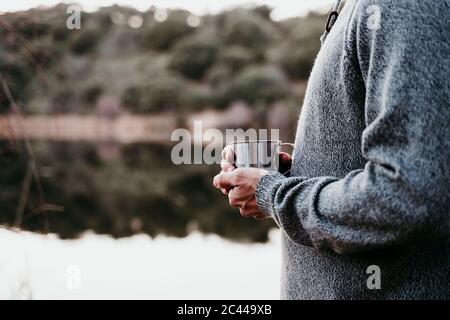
(117, 190)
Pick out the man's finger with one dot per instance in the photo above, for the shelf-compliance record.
(234, 199)
(228, 154)
(224, 180)
(225, 190)
(239, 195)
(261, 216)
(226, 166)
(248, 213)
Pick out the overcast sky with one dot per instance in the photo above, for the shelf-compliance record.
(282, 8)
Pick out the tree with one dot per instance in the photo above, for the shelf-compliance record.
(193, 57)
(257, 85)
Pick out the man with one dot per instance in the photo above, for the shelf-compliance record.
(368, 194)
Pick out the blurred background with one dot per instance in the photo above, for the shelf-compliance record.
(85, 122)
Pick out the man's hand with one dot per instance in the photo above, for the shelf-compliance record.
(240, 185)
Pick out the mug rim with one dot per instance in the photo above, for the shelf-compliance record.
(256, 141)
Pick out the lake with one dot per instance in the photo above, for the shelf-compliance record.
(112, 188)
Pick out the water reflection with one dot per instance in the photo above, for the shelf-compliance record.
(114, 189)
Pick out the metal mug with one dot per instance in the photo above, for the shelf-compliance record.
(263, 154)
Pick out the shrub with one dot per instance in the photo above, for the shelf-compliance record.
(193, 58)
(162, 35)
(28, 27)
(236, 57)
(218, 74)
(160, 94)
(85, 41)
(301, 45)
(248, 29)
(104, 19)
(63, 101)
(91, 94)
(197, 97)
(264, 11)
(131, 98)
(44, 55)
(61, 33)
(257, 84)
(298, 60)
(17, 75)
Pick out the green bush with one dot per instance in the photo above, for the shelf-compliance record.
(29, 27)
(131, 98)
(44, 54)
(300, 48)
(306, 29)
(160, 94)
(104, 20)
(298, 60)
(257, 85)
(197, 97)
(91, 94)
(264, 11)
(218, 74)
(63, 101)
(192, 58)
(248, 29)
(162, 35)
(85, 41)
(60, 33)
(236, 57)
(16, 73)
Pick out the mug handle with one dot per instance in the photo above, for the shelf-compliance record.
(286, 144)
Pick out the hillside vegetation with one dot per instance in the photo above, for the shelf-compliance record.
(153, 61)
